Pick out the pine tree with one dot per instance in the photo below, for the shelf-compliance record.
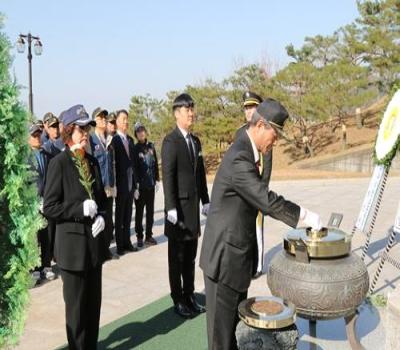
(380, 35)
(19, 218)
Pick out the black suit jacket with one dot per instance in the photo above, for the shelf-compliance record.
(75, 248)
(228, 252)
(267, 158)
(184, 185)
(124, 165)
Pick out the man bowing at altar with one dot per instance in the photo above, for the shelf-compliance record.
(229, 251)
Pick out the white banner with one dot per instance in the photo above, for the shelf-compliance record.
(396, 227)
(370, 197)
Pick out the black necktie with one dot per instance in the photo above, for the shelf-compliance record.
(258, 165)
(191, 151)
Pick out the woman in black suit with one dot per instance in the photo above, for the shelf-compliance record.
(74, 197)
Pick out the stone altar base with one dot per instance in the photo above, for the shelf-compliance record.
(249, 338)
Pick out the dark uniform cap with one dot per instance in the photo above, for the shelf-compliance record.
(47, 116)
(273, 112)
(111, 117)
(251, 99)
(39, 123)
(183, 100)
(53, 120)
(61, 117)
(34, 128)
(77, 115)
(99, 111)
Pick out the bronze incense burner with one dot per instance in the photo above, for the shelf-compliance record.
(319, 274)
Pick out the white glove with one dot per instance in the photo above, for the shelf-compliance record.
(136, 195)
(41, 205)
(98, 226)
(205, 209)
(157, 186)
(310, 219)
(172, 216)
(89, 208)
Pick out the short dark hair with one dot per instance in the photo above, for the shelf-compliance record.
(120, 111)
(141, 129)
(183, 100)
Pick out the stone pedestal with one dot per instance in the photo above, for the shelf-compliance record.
(249, 338)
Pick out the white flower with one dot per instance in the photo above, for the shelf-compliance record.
(76, 146)
(389, 130)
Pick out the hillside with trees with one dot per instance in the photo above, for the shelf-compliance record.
(328, 79)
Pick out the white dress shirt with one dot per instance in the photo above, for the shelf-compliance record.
(185, 135)
(125, 142)
(255, 151)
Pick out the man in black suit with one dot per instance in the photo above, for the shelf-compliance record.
(79, 213)
(228, 256)
(184, 182)
(126, 182)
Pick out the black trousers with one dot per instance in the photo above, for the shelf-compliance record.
(222, 314)
(146, 199)
(43, 236)
(82, 297)
(52, 236)
(109, 224)
(123, 218)
(181, 264)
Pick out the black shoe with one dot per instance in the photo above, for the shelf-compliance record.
(114, 256)
(120, 252)
(109, 255)
(140, 242)
(131, 248)
(193, 304)
(150, 241)
(183, 311)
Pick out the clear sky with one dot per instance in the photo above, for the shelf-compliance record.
(100, 53)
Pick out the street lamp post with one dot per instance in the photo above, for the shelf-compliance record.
(38, 48)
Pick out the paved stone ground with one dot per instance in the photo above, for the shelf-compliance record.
(140, 278)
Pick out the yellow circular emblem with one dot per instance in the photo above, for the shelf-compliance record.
(389, 130)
